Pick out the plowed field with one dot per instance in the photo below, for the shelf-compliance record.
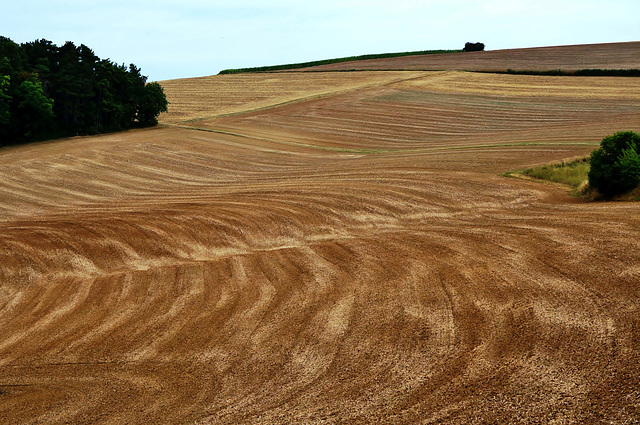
(348, 253)
(567, 58)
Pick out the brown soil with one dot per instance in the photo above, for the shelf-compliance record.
(567, 58)
(205, 97)
(353, 257)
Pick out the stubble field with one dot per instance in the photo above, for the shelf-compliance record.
(342, 252)
(551, 58)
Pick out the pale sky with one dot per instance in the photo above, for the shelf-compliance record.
(191, 38)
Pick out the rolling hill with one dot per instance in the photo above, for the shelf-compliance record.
(335, 247)
(566, 58)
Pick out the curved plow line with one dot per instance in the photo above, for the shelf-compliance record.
(377, 151)
(314, 97)
(282, 142)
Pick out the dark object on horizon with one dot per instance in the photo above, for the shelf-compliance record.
(473, 47)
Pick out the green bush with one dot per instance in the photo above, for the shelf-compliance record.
(615, 166)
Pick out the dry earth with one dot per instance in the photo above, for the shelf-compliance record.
(567, 58)
(351, 255)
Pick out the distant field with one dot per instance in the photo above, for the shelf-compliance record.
(568, 58)
(325, 248)
(443, 110)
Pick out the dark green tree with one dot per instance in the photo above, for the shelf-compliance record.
(5, 100)
(41, 56)
(7, 47)
(73, 89)
(85, 94)
(152, 103)
(615, 166)
(34, 110)
(135, 83)
(473, 47)
(14, 56)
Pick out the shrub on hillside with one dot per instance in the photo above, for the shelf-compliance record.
(473, 47)
(615, 166)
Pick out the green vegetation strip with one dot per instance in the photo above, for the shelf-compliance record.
(572, 173)
(336, 60)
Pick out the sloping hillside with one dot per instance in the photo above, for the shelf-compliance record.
(324, 248)
(567, 58)
(206, 97)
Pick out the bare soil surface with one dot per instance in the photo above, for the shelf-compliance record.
(206, 97)
(567, 58)
(352, 255)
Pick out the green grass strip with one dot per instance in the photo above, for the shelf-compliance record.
(572, 173)
(336, 60)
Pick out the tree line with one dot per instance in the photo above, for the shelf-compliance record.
(48, 91)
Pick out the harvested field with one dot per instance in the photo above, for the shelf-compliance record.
(445, 110)
(566, 58)
(350, 254)
(204, 97)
